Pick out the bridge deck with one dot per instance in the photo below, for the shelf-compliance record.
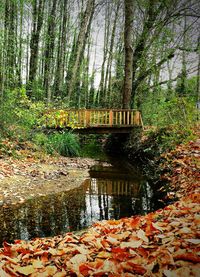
(93, 120)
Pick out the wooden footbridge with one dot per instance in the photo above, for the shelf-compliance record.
(93, 120)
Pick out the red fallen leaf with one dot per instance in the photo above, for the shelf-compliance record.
(190, 257)
(120, 254)
(98, 263)
(17, 241)
(142, 252)
(138, 269)
(105, 243)
(121, 257)
(44, 257)
(135, 222)
(84, 269)
(7, 249)
(23, 251)
(117, 250)
(150, 230)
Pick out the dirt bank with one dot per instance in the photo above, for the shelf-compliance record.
(24, 179)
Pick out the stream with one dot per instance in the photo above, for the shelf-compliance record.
(112, 191)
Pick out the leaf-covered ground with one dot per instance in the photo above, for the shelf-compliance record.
(163, 243)
(23, 179)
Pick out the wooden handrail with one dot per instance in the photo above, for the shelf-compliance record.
(85, 118)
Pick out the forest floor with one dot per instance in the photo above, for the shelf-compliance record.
(163, 243)
(29, 177)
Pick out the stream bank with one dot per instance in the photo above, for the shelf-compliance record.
(162, 243)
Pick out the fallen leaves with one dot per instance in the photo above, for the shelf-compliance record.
(163, 243)
(127, 247)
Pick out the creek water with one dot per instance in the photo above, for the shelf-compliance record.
(113, 191)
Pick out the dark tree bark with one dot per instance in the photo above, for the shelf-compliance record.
(59, 74)
(49, 50)
(38, 17)
(128, 44)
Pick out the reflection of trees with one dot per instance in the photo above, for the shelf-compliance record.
(44, 216)
(111, 198)
(32, 218)
(143, 202)
(102, 200)
(8, 224)
(96, 199)
(75, 204)
(47, 211)
(59, 213)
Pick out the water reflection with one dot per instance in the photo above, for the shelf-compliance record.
(96, 199)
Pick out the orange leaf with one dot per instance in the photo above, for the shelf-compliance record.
(7, 249)
(138, 269)
(190, 257)
(84, 269)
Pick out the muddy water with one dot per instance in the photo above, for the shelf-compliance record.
(111, 192)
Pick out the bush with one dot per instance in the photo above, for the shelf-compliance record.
(66, 144)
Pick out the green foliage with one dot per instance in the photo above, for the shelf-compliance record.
(66, 144)
(19, 115)
(92, 146)
(59, 118)
(167, 138)
(160, 109)
(40, 139)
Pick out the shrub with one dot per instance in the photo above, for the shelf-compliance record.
(66, 144)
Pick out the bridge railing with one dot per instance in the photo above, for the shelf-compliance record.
(85, 118)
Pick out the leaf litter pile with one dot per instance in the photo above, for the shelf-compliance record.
(162, 243)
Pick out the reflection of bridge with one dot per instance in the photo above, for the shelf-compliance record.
(94, 120)
(113, 187)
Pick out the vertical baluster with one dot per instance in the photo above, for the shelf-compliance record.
(116, 118)
(137, 118)
(120, 118)
(132, 118)
(111, 118)
(128, 112)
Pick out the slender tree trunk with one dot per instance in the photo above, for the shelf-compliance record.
(59, 75)
(100, 93)
(198, 75)
(107, 87)
(80, 45)
(182, 91)
(49, 51)
(38, 14)
(128, 44)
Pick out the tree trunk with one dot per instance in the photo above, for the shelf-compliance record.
(198, 75)
(108, 78)
(128, 44)
(38, 14)
(59, 75)
(49, 51)
(80, 45)
(100, 93)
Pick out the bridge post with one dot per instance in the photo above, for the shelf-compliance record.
(87, 118)
(137, 118)
(110, 117)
